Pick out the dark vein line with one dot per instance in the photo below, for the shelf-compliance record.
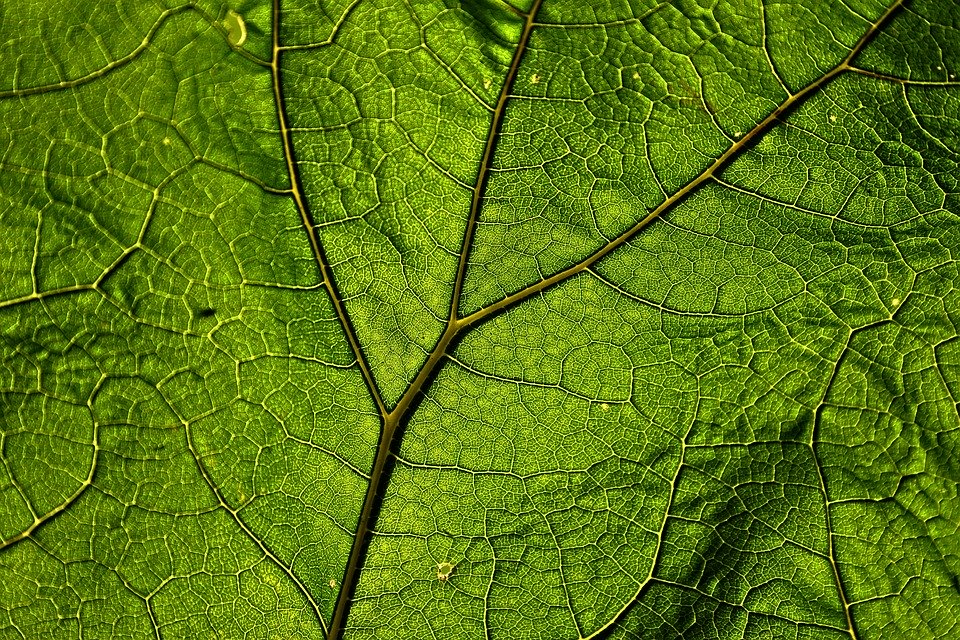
(749, 139)
(489, 149)
(380, 475)
(307, 220)
(348, 583)
(455, 323)
(512, 9)
(368, 514)
(392, 420)
(905, 81)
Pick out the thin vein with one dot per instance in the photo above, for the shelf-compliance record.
(812, 444)
(330, 39)
(307, 220)
(39, 521)
(489, 149)
(604, 25)
(661, 537)
(235, 515)
(953, 82)
(457, 324)
(766, 49)
(102, 71)
(41, 295)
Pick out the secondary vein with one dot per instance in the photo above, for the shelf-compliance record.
(307, 220)
(456, 325)
(751, 137)
(390, 430)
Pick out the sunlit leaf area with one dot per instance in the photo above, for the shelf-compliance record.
(480, 319)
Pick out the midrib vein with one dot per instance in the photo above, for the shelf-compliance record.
(456, 325)
(392, 420)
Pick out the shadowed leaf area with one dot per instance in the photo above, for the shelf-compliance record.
(480, 320)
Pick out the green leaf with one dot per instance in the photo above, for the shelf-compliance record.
(482, 320)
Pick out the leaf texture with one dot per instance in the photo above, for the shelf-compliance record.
(422, 319)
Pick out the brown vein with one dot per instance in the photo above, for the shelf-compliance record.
(456, 324)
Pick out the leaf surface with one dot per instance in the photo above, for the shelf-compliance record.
(481, 320)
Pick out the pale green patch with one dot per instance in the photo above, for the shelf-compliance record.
(236, 28)
(445, 570)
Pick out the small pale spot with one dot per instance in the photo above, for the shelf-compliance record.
(333, 583)
(895, 302)
(636, 75)
(486, 83)
(833, 118)
(939, 68)
(535, 79)
(952, 76)
(605, 406)
(737, 134)
(166, 141)
(236, 28)
(445, 570)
